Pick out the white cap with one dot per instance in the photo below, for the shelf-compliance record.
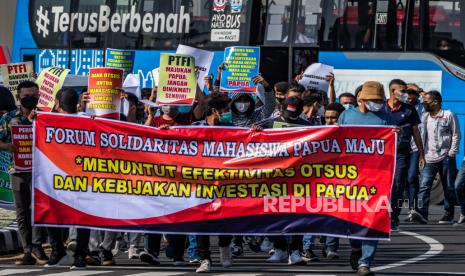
(132, 85)
(156, 76)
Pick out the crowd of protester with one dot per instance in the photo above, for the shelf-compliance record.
(428, 141)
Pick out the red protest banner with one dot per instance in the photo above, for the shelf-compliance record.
(204, 180)
(104, 89)
(22, 139)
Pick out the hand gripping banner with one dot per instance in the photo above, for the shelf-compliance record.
(104, 174)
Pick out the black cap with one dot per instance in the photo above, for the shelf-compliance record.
(292, 108)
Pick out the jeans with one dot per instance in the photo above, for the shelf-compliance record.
(331, 243)
(193, 250)
(368, 248)
(446, 169)
(281, 243)
(460, 188)
(82, 242)
(22, 192)
(203, 242)
(152, 243)
(400, 178)
(413, 180)
(55, 236)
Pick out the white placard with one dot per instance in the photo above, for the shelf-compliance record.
(225, 35)
(314, 76)
(203, 61)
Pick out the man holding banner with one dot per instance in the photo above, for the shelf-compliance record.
(369, 112)
(28, 96)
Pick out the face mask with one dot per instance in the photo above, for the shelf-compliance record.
(29, 102)
(184, 109)
(242, 107)
(373, 107)
(403, 97)
(427, 107)
(226, 117)
(347, 105)
(279, 100)
(169, 110)
(321, 111)
(414, 102)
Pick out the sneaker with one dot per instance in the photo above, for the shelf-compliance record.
(461, 221)
(394, 226)
(149, 258)
(39, 253)
(364, 271)
(266, 245)
(132, 253)
(278, 256)
(27, 259)
(418, 218)
(225, 256)
(332, 255)
(107, 259)
(409, 216)
(310, 256)
(354, 257)
(179, 262)
(55, 258)
(194, 260)
(254, 245)
(448, 218)
(237, 251)
(204, 267)
(71, 246)
(93, 259)
(296, 259)
(79, 263)
(271, 252)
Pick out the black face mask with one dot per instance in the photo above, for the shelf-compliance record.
(414, 102)
(427, 107)
(29, 102)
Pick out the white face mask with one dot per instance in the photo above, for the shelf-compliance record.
(403, 97)
(373, 107)
(321, 111)
(242, 107)
(347, 105)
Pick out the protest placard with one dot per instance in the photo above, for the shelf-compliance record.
(104, 88)
(314, 77)
(50, 81)
(15, 73)
(120, 59)
(241, 65)
(6, 194)
(177, 81)
(203, 61)
(193, 180)
(21, 137)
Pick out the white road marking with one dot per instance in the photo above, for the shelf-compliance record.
(435, 249)
(158, 273)
(18, 271)
(80, 273)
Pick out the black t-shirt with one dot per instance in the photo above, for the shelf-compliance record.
(405, 116)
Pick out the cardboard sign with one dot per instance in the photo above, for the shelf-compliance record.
(15, 73)
(22, 138)
(315, 77)
(121, 59)
(203, 61)
(50, 82)
(178, 82)
(6, 194)
(241, 65)
(104, 89)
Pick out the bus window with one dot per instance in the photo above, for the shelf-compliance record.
(307, 22)
(446, 25)
(345, 24)
(278, 22)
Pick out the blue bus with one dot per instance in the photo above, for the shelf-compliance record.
(419, 41)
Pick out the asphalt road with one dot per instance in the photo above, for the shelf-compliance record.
(431, 249)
